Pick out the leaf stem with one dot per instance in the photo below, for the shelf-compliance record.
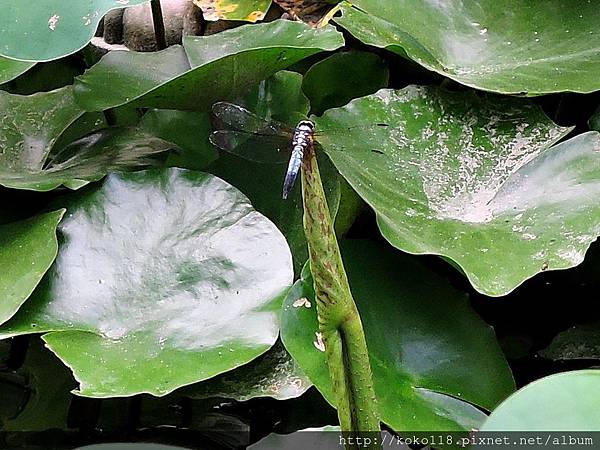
(339, 322)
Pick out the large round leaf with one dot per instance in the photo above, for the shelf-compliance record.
(54, 28)
(471, 178)
(28, 248)
(10, 69)
(563, 402)
(164, 278)
(204, 70)
(510, 47)
(430, 353)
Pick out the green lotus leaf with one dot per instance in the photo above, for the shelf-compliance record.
(28, 247)
(510, 47)
(472, 178)
(562, 402)
(164, 278)
(54, 28)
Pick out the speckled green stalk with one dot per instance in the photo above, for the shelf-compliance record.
(339, 321)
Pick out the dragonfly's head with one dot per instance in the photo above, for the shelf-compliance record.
(306, 125)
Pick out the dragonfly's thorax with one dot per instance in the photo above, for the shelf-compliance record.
(303, 136)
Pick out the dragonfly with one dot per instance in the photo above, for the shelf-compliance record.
(252, 137)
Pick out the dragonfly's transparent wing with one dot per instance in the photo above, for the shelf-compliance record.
(235, 117)
(255, 147)
(245, 134)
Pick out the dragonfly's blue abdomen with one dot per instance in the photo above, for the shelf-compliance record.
(303, 138)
